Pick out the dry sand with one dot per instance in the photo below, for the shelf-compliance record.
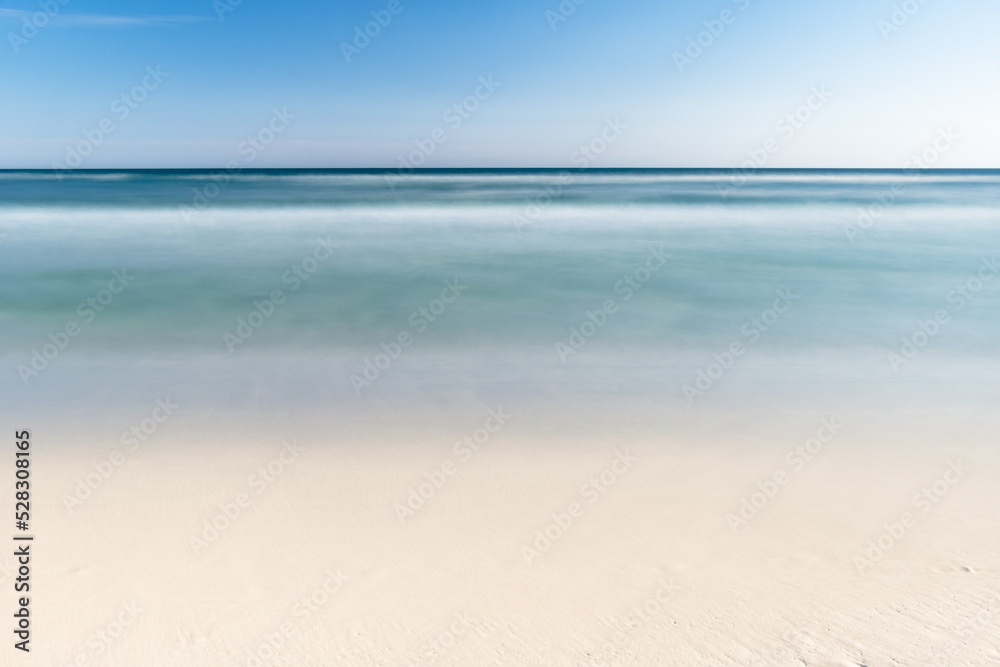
(647, 568)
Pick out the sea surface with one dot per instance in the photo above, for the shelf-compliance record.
(586, 289)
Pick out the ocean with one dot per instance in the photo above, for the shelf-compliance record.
(590, 290)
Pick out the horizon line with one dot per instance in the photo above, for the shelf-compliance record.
(396, 170)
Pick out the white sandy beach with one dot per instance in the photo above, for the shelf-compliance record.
(318, 569)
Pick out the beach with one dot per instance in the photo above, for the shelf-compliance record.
(600, 550)
(318, 421)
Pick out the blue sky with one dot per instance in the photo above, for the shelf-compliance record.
(562, 75)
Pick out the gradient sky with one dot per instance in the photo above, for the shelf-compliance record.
(558, 86)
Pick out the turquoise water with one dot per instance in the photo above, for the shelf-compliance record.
(532, 253)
